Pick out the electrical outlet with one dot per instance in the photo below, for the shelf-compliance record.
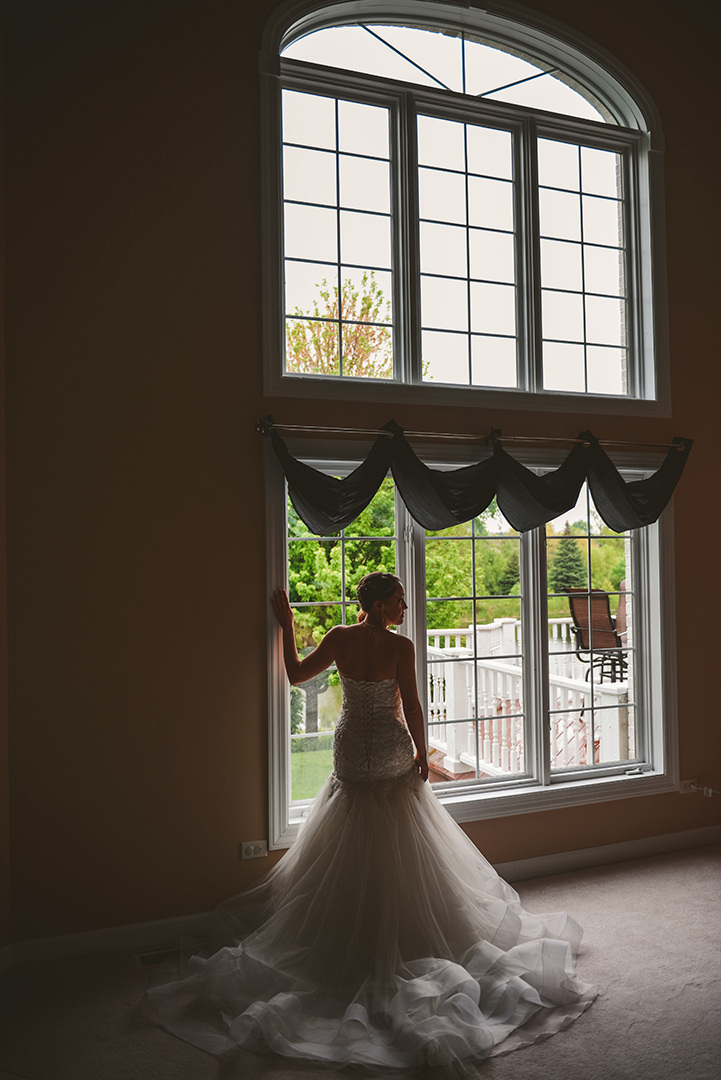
(253, 849)
(687, 787)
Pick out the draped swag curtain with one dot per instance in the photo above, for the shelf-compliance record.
(439, 499)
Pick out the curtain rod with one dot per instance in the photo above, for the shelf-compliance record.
(264, 427)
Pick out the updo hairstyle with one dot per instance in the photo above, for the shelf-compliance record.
(376, 586)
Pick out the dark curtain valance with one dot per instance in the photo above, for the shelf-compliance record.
(439, 499)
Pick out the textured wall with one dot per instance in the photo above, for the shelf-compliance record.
(137, 604)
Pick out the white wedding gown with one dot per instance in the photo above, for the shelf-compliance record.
(383, 938)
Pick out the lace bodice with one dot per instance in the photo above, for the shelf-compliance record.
(372, 743)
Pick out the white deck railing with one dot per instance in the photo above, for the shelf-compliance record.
(494, 737)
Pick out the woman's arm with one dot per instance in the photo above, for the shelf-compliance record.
(311, 665)
(411, 705)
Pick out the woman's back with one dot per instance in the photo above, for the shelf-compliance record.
(367, 652)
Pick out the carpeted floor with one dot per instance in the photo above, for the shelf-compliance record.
(653, 930)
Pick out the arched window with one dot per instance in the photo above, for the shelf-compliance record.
(458, 203)
(464, 207)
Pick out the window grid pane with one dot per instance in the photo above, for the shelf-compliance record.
(476, 721)
(583, 269)
(467, 253)
(591, 651)
(338, 250)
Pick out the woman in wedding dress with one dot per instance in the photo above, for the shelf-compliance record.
(383, 938)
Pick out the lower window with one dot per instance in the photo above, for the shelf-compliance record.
(487, 631)
(542, 658)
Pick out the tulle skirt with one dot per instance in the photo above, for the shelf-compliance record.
(382, 939)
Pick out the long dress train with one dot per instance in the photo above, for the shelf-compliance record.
(383, 938)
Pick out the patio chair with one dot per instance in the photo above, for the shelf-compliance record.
(598, 637)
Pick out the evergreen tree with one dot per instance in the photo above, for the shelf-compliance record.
(568, 566)
(511, 575)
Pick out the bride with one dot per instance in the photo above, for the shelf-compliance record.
(383, 938)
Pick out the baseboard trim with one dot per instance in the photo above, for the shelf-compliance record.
(109, 939)
(162, 931)
(6, 960)
(584, 858)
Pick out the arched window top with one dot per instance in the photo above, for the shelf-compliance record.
(460, 202)
(452, 60)
(511, 55)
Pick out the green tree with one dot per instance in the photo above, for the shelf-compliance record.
(491, 560)
(315, 571)
(511, 574)
(449, 572)
(618, 572)
(367, 349)
(499, 562)
(608, 564)
(567, 569)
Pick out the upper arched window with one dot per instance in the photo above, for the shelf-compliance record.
(457, 202)
(452, 60)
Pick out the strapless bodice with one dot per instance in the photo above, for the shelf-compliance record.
(371, 743)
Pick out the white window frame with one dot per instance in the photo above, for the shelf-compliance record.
(655, 672)
(637, 132)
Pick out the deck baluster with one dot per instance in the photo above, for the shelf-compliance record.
(495, 748)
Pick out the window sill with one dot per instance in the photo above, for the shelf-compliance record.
(330, 389)
(479, 805)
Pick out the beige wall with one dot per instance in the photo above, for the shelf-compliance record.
(137, 604)
(5, 917)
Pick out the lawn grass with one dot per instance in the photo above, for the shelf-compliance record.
(309, 771)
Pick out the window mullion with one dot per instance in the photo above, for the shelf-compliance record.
(643, 594)
(420, 622)
(634, 315)
(529, 261)
(407, 320)
(273, 232)
(535, 654)
(279, 771)
(410, 567)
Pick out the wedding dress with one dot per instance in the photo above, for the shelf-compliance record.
(383, 938)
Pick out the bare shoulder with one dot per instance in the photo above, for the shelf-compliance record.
(343, 635)
(400, 649)
(406, 648)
